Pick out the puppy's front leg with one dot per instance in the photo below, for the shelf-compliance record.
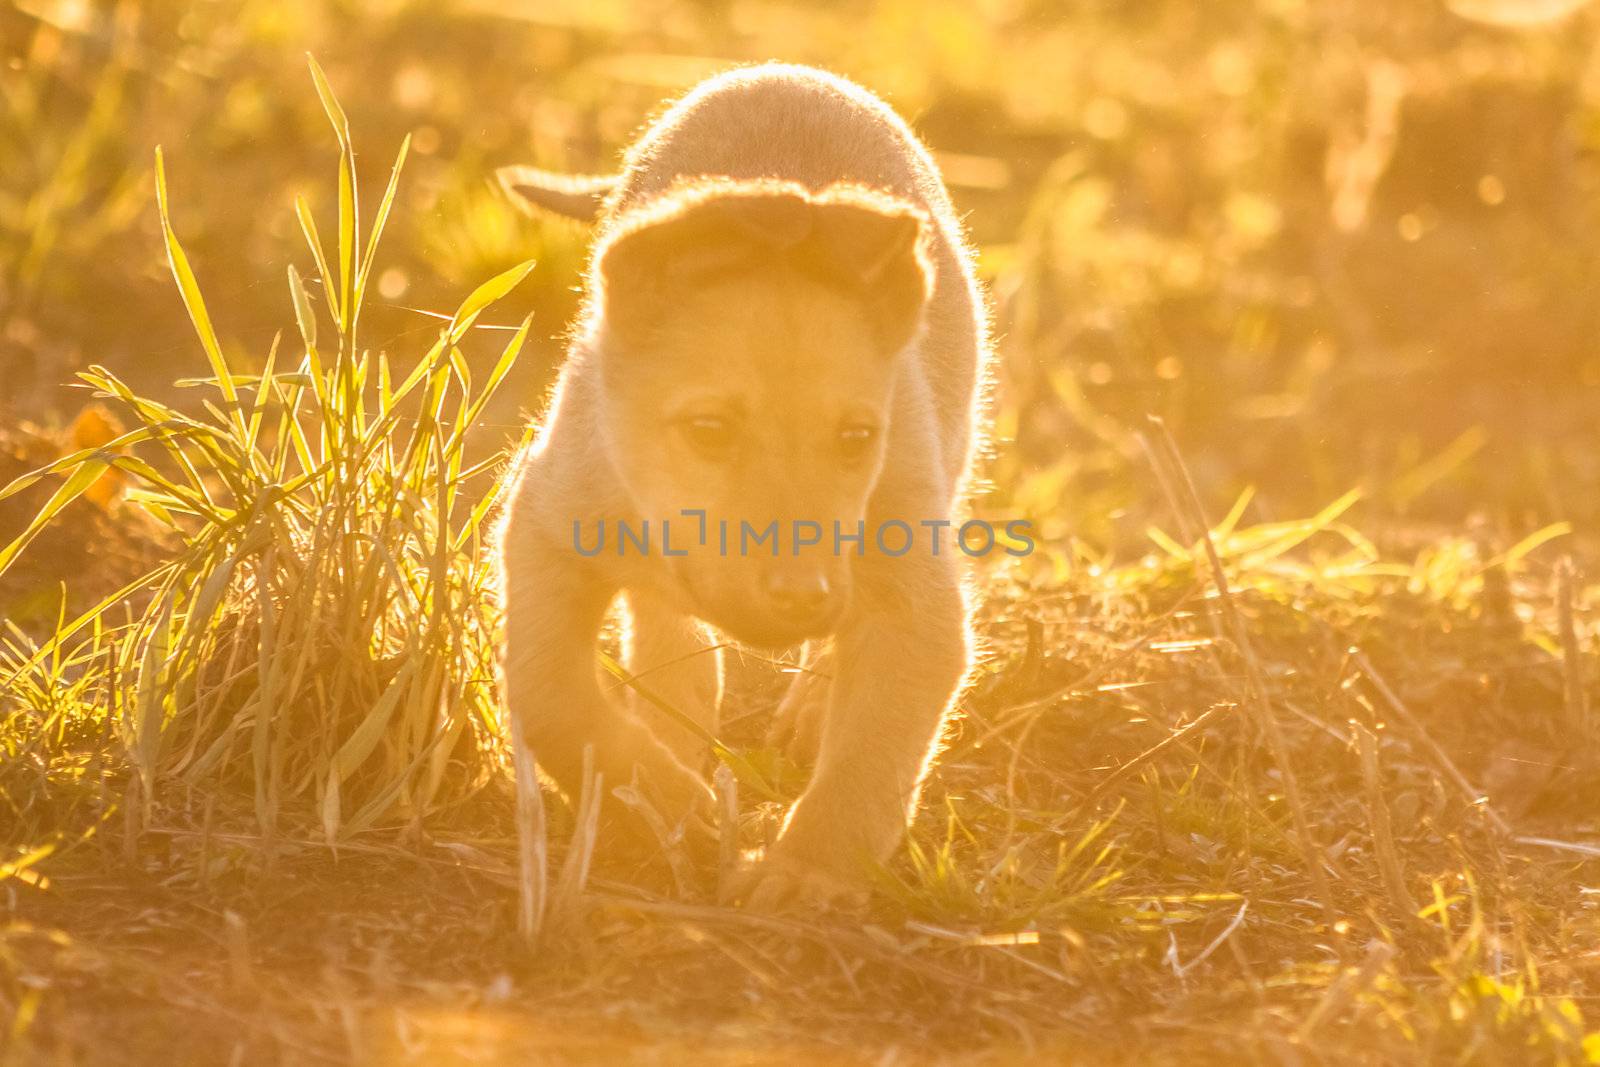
(554, 608)
(675, 660)
(899, 661)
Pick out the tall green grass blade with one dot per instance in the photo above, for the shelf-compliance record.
(77, 483)
(1541, 536)
(748, 773)
(381, 220)
(73, 459)
(349, 227)
(484, 295)
(349, 224)
(263, 388)
(366, 736)
(305, 315)
(189, 289)
(330, 103)
(508, 359)
(330, 286)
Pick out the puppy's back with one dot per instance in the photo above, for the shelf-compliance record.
(781, 121)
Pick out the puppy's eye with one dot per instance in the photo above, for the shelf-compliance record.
(710, 435)
(856, 440)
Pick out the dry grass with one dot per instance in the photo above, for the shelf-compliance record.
(1095, 875)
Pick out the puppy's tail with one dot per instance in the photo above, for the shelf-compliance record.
(575, 196)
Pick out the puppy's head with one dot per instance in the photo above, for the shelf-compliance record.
(749, 337)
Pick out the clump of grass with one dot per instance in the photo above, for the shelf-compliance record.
(324, 641)
(56, 744)
(1032, 883)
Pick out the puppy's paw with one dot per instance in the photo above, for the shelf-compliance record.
(682, 792)
(659, 821)
(780, 883)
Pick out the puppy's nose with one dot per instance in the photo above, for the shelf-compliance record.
(798, 594)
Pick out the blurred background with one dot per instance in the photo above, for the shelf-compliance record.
(1334, 244)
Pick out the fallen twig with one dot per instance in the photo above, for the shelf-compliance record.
(532, 840)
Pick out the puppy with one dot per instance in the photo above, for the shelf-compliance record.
(782, 334)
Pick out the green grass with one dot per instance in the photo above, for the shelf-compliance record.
(324, 640)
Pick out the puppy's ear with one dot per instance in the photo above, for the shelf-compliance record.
(575, 196)
(878, 250)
